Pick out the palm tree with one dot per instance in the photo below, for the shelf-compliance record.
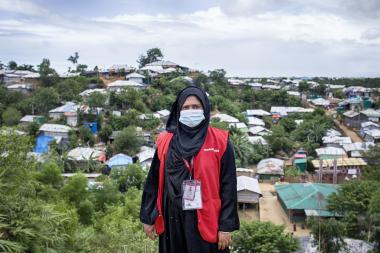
(316, 133)
(242, 147)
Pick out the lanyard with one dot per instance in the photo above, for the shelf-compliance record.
(189, 166)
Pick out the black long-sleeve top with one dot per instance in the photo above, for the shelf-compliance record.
(228, 219)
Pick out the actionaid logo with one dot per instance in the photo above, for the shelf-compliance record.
(211, 149)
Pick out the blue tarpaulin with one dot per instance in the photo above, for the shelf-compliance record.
(93, 126)
(42, 144)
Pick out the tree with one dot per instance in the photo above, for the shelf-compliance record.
(75, 190)
(303, 87)
(289, 124)
(263, 237)
(85, 134)
(373, 155)
(278, 140)
(218, 77)
(74, 58)
(127, 142)
(26, 67)
(86, 210)
(48, 76)
(108, 194)
(50, 174)
(12, 65)
(131, 176)
(328, 235)
(352, 202)
(45, 99)
(133, 202)
(81, 68)
(374, 212)
(96, 99)
(152, 55)
(105, 133)
(242, 147)
(33, 128)
(11, 116)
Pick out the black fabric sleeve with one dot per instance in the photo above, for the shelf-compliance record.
(229, 218)
(148, 210)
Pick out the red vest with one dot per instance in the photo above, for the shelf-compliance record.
(206, 170)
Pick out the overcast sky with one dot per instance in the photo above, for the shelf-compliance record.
(245, 37)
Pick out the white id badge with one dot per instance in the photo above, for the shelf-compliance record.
(192, 195)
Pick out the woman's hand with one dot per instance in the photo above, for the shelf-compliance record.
(150, 231)
(224, 240)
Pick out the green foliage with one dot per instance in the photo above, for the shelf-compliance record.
(279, 140)
(86, 136)
(48, 76)
(303, 87)
(107, 194)
(131, 176)
(75, 190)
(33, 128)
(219, 124)
(45, 99)
(292, 172)
(353, 201)
(29, 223)
(50, 174)
(86, 210)
(289, 124)
(127, 142)
(328, 235)
(81, 68)
(74, 58)
(263, 237)
(96, 99)
(70, 88)
(12, 65)
(133, 202)
(152, 55)
(105, 133)
(373, 155)
(11, 116)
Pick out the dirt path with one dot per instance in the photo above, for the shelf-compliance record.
(348, 132)
(271, 210)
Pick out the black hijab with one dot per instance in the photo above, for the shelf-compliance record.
(187, 141)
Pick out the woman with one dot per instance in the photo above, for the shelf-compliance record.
(190, 197)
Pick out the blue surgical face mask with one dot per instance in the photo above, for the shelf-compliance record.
(191, 118)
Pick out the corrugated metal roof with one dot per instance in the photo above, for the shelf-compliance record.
(225, 118)
(255, 121)
(328, 163)
(272, 166)
(309, 196)
(351, 114)
(248, 183)
(119, 160)
(330, 151)
(55, 128)
(68, 107)
(257, 112)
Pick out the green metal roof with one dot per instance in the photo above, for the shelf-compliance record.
(300, 160)
(309, 196)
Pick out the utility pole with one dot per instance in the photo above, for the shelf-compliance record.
(335, 175)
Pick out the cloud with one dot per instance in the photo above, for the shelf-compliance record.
(258, 40)
(22, 7)
(371, 34)
(353, 9)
